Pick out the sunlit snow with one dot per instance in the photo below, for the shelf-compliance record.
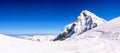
(102, 39)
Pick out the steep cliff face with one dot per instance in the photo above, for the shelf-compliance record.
(84, 22)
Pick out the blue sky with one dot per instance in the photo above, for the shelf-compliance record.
(50, 16)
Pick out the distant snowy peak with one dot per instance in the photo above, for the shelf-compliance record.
(84, 22)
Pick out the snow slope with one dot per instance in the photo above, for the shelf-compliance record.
(86, 21)
(110, 30)
(14, 45)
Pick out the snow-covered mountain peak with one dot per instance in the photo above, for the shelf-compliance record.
(109, 30)
(84, 22)
(86, 12)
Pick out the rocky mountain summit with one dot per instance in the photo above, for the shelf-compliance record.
(84, 22)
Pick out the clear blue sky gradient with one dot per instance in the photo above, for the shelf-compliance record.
(50, 16)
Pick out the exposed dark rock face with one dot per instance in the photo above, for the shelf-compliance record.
(61, 36)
